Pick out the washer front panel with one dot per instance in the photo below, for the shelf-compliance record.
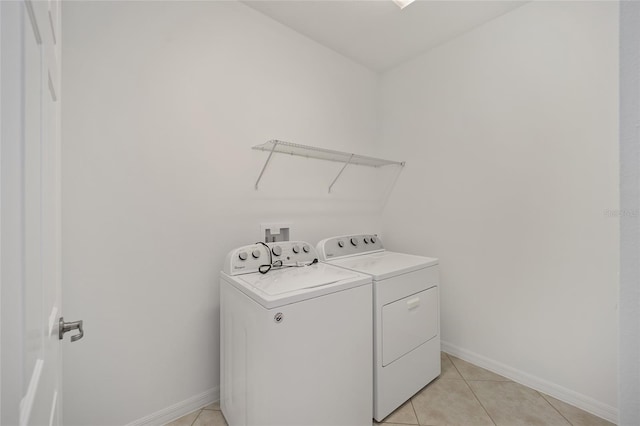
(304, 364)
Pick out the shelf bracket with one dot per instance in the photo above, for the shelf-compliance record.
(340, 172)
(265, 164)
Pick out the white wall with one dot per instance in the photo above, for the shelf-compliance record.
(162, 102)
(511, 132)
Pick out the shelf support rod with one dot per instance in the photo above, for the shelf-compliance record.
(273, 148)
(340, 172)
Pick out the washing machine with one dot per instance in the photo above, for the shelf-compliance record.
(296, 339)
(406, 315)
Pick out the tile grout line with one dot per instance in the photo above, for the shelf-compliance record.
(553, 406)
(479, 402)
(472, 392)
(454, 366)
(194, 420)
(414, 410)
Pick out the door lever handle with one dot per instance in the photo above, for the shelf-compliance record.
(64, 327)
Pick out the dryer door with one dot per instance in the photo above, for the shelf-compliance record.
(408, 323)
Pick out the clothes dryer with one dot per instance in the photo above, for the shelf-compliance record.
(406, 315)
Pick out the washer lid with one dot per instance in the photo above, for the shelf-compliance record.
(385, 264)
(288, 285)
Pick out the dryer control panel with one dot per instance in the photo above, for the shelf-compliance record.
(348, 245)
(259, 256)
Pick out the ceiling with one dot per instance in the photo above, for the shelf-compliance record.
(377, 33)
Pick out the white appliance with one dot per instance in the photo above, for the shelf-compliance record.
(406, 315)
(296, 341)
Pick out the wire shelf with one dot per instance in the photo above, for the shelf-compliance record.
(320, 154)
(324, 154)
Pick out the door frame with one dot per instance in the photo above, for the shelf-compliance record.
(629, 291)
(11, 211)
(22, 21)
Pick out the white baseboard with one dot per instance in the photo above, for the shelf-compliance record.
(179, 409)
(576, 399)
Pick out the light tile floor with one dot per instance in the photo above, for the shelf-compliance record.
(463, 395)
(207, 416)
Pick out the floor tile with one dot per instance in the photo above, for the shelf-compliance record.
(576, 416)
(213, 406)
(185, 420)
(511, 404)
(448, 370)
(210, 418)
(473, 372)
(449, 402)
(403, 415)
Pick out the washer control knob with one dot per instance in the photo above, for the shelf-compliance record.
(305, 248)
(296, 249)
(373, 240)
(354, 242)
(276, 250)
(366, 240)
(340, 243)
(242, 255)
(255, 254)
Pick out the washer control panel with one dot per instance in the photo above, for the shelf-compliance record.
(247, 259)
(348, 245)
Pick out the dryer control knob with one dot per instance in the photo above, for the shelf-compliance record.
(354, 242)
(340, 243)
(255, 254)
(277, 250)
(373, 240)
(305, 248)
(242, 255)
(296, 249)
(366, 240)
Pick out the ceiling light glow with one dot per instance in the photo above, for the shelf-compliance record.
(403, 3)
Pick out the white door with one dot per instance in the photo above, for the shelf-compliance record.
(30, 297)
